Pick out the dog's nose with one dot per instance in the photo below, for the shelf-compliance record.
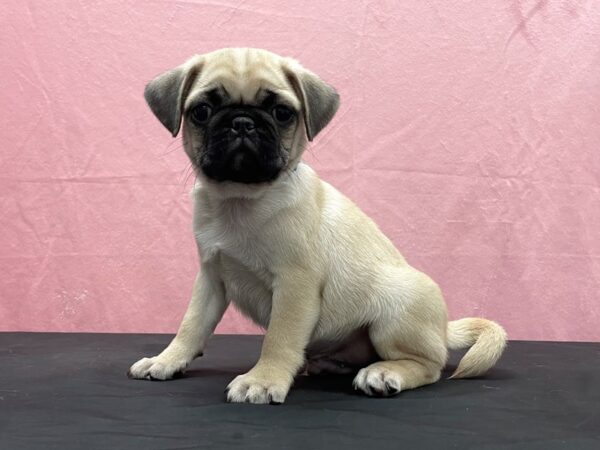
(242, 125)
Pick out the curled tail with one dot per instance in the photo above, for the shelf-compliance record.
(487, 340)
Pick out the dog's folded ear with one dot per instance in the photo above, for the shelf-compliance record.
(166, 94)
(320, 101)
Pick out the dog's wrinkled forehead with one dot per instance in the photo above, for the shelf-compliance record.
(242, 76)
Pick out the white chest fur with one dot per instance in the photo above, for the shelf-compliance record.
(228, 239)
(238, 236)
(231, 230)
(233, 218)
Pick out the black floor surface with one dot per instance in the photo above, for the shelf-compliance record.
(70, 391)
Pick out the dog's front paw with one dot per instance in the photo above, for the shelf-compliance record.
(157, 368)
(255, 387)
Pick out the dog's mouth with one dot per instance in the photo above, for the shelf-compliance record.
(241, 162)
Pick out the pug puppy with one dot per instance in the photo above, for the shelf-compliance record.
(290, 251)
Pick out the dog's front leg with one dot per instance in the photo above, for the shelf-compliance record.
(294, 314)
(204, 312)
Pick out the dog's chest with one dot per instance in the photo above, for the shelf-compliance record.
(234, 232)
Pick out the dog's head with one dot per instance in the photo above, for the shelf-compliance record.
(246, 113)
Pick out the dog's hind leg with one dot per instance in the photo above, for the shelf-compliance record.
(389, 377)
(409, 336)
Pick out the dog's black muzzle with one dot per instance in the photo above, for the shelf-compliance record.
(242, 144)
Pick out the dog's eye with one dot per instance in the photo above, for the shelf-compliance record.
(282, 113)
(201, 113)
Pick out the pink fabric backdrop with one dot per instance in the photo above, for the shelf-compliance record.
(469, 130)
